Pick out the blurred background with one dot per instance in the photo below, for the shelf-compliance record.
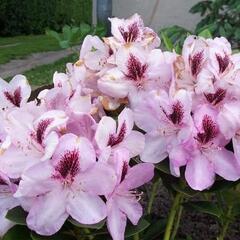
(39, 37)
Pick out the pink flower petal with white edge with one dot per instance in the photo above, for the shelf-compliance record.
(86, 208)
(137, 176)
(199, 172)
(225, 164)
(48, 213)
(105, 128)
(155, 149)
(100, 179)
(116, 222)
(71, 142)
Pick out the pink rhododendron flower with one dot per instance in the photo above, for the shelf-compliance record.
(110, 137)
(73, 175)
(123, 202)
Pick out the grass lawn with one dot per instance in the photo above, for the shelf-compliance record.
(43, 75)
(21, 46)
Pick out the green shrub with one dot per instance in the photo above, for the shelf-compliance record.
(34, 16)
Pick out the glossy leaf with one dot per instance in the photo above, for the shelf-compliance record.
(132, 230)
(204, 207)
(17, 233)
(17, 215)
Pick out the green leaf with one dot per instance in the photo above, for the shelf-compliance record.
(155, 229)
(64, 44)
(167, 41)
(93, 226)
(221, 185)
(85, 29)
(57, 236)
(163, 167)
(17, 215)
(53, 34)
(17, 233)
(205, 33)
(186, 190)
(132, 230)
(204, 207)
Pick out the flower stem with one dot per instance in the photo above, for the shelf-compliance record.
(153, 195)
(177, 222)
(136, 237)
(225, 225)
(172, 215)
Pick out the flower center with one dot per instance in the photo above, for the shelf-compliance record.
(176, 116)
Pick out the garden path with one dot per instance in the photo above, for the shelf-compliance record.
(34, 60)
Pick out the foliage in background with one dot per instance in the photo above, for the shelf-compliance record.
(220, 18)
(69, 35)
(34, 16)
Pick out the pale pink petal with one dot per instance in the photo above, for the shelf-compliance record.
(48, 213)
(5, 224)
(199, 172)
(225, 164)
(125, 118)
(131, 207)
(86, 208)
(106, 126)
(134, 143)
(100, 179)
(71, 142)
(137, 176)
(116, 222)
(155, 149)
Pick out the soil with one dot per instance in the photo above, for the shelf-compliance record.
(197, 225)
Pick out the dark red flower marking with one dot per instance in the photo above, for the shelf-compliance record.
(217, 97)
(41, 129)
(196, 63)
(210, 130)
(2, 182)
(131, 34)
(115, 139)
(124, 171)
(14, 98)
(135, 68)
(177, 114)
(69, 165)
(223, 62)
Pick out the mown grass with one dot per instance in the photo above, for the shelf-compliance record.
(21, 46)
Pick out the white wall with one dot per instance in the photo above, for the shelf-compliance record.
(167, 12)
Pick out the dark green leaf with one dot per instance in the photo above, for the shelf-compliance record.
(204, 207)
(17, 233)
(132, 230)
(57, 236)
(155, 229)
(167, 42)
(93, 226)
(17, 215)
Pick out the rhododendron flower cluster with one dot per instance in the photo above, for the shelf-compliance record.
(68, 154)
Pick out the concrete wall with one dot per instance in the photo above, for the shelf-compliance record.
(158, 13)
